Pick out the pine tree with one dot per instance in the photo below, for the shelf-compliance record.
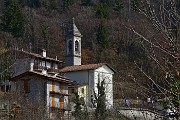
(86, 2)
(134, 5)
(35, 3)
(7, 2)
(13, 19)
(100, 111)
(77, 103)
(107, 2)
(119, 5)
(102, 11)
(53, 4)
(102, 35)
(67, 3)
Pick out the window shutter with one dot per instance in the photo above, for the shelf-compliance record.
(26, 86)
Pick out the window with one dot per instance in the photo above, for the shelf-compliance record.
(77, 46)
(5, 88)
(52, 65)
(73, 91)
(26, 86)
(82, 90)
(70, 46)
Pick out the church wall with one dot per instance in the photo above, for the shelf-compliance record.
(104, 73)
(81, 77)
(85, 78)
(77, 61)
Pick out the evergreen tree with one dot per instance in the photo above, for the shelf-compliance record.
(7, 2)
(100, 111)
(135, 5)
(102, 35)
(107, 2)
(102, 11)
(5, 63)
(53, 4)
(77, 103)
(13, 19)
(67, 3)
(118, 5)
(35, 3)
(86, 2)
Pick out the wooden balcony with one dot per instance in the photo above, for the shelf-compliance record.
(58, 93)
(38, 67)
(53, 70)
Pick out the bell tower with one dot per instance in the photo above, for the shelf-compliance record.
(73, 44)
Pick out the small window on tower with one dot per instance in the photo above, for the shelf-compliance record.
(77, 46)
(70, 46)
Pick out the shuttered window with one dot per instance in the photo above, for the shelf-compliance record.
(53, 101)
(26, 86)
(61, 100)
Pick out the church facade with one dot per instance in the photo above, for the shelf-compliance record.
(89, 74)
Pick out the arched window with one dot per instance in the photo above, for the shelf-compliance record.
(76, 46)
(70, 46)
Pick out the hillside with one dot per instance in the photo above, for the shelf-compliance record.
(128, 36)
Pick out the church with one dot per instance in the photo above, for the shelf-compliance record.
(87, 75)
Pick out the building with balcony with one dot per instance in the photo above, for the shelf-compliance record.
(30, 78)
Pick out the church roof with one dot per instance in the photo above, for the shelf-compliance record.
(83, 67)
(44, 76)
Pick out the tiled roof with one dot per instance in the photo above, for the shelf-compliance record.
(34, 55)
(45, 76)
(83, 67)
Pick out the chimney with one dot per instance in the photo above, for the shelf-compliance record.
(43, 52)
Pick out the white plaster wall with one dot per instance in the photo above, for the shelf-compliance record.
(91, 78)
(55, 66)
(48, 64)
(56, 97)
(106, 74)
(141, 115)
(65, 90)
(48, 99)
(77, 60)
(56, 100)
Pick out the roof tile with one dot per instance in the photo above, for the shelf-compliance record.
(81, 67)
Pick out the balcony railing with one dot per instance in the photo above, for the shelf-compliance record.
(59, 93)
(38, 67)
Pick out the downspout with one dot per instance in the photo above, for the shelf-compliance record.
(88, 89)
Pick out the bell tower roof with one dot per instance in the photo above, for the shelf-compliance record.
(72, 30)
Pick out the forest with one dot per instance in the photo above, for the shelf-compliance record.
(138, 38)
